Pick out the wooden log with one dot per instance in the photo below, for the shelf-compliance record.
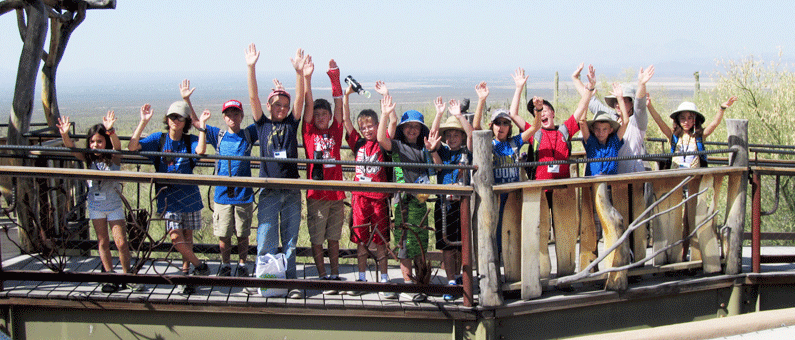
(738, 140)
(612, 227)
(589, 237)
(512, 237)
(689, 219)
(488, 259)
(707, 238)
(545, 225)
(667, 228)
(531, 244)
(567, 226)
(640, 235)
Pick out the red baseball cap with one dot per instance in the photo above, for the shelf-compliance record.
(232, 104)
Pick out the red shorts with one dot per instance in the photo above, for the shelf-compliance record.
(368, 210)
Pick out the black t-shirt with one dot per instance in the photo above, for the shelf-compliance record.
(278, 140)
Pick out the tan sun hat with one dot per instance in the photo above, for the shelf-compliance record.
(179, 108)
(687, 106)
(452, 123)
(629, 90)
(602, 116)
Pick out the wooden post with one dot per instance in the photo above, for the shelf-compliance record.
(466, 251)
(589, 237)
(483, 182)
(707, 238)
(531, 275)
(738, 139)
(566, 224)
(640, 235)
(512, 237)
(545, 225)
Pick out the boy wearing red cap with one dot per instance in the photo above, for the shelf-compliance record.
(279, 210)
(233, 206)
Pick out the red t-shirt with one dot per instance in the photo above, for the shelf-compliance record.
(369, 151)
(554, 147)
(325, 144)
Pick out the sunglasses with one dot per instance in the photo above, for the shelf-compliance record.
(177, 118)
(502, 123)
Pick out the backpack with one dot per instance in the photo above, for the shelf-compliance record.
(533, 156)
(249, 140)
(702, 159)
(185, 140)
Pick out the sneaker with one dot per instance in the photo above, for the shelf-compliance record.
(110, 287)
(242, 271)
(135, 287)
(389, 295)
(450, 297)
(331, 291)
(354, 292)
(415, 297)
(202, 269)
(251, 290)
(185, 289)
(295, 294)
(226, 270)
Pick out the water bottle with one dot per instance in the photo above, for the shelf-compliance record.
(357, 87)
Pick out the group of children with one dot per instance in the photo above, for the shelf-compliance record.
(617, 129)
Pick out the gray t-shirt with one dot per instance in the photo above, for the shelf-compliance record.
(103, 195)
(409, 154)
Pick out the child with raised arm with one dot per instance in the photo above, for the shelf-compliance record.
(179, 204)
(411, 143)
(688, 134)
(369, 208)
(456, 133)
(322, 140)
(105, 207)
(634, 98)
(279, 210)
(602, 137)
(233, 206)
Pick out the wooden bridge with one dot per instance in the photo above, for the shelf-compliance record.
(694, 267)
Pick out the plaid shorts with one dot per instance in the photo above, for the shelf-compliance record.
(188, 221)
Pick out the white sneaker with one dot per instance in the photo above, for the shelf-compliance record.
(295, 294)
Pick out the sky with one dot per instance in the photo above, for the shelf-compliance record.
(142, 40)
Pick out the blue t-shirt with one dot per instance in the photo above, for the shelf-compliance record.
(279, 140)
(461, 156)
(593, 149)
(232, 144)
(506, 152)
(176, 198)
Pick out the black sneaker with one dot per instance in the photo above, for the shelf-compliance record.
(110, 287)
(226, 270)
(242, 271)
(202, 269)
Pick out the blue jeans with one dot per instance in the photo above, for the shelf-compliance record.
(279, 214)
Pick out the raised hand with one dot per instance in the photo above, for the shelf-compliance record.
(730, 101)
(205, 116)
(309, 66)
(63, 125)
(538, 103)
(439, 104)
(591, 76)
(617, 91)
(482, 90)
(386, 104)
(146, 112)
(576, 73)
(108, 120)
(277, 85)
(298, 61)
(252, 55)
(519, 78)
(455, 107)
(349, 90)
(433, 140)
(380, 87)
(184, 89)
(645, 76)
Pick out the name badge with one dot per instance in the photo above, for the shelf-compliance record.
(364, 179)
(553, 169)
(99, 196)
(329, 165)
(280, 154)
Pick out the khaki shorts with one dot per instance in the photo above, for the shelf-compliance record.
(229, 218)
(324, 220)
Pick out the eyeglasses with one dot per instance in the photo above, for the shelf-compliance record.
(502, 123)
(177, 118)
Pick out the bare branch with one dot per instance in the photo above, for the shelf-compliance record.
(9, 5)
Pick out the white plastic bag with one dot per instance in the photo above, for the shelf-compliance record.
(271, 266)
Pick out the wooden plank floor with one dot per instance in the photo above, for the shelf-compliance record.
(211, 295)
